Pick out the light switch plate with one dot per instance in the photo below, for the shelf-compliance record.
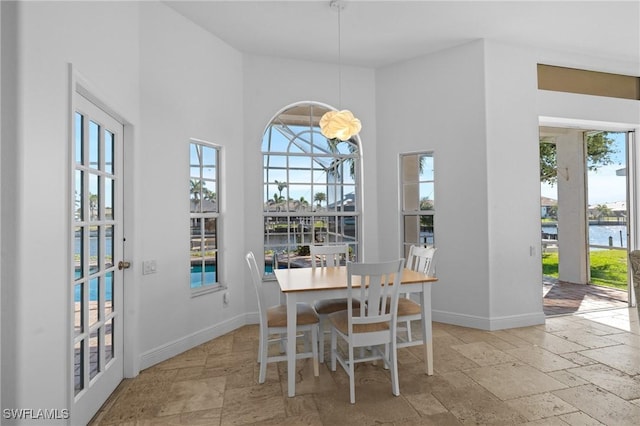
(149, 267)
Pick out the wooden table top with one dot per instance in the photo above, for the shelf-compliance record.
(332, 278)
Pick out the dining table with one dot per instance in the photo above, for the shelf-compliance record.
(310, 284)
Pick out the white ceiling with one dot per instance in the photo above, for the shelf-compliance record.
(378, 33)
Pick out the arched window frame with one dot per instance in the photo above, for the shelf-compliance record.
(299, 163)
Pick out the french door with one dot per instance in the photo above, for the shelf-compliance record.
(96, 284)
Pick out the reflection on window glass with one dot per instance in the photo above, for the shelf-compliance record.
(79, 127)
(94, 145)
(94, 249)
(79, 211)
(78, 364)
(94, 361)
(94, 292)
(94, 197)
(108, 289)
(108, 198)
(108, 249)
(108, 344)
(78, 252)
(108, 151)
(203, 205)
(77, 309)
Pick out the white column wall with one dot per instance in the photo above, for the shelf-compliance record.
(513, 182)
(572, 203)
(437, 103)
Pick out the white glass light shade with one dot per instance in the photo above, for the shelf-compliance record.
(339, 125)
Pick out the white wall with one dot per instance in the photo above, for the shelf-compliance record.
(271, 84)
(585, 111)
(190, 87)
(1, 239)
(513, 187)
(48, 37)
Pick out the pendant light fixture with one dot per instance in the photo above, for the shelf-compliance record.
(340, 124)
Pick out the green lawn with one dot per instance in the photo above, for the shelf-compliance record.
(608, 267)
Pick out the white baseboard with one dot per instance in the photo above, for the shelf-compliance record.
(171, 349)
(490, 324)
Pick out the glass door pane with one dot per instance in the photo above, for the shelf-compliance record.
(607, 200)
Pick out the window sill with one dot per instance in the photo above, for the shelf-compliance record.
(206, 290)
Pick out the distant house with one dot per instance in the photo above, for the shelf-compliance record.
(347, 203)
(617, 208)
(548, 207)
(205, 205)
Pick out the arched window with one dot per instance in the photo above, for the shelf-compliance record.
(311, 189)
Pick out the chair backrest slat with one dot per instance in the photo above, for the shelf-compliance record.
(256, 278)
(421, 259)
(379, 282)
(328, 255)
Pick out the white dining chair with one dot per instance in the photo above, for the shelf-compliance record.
(323, 256)
(273, 321)
(420, 259)
(373, 326)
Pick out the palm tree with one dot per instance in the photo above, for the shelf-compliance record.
(281, 186)
(334, 168)
(196, 189)
(209, 195)
(320, 197)
(602, 211)
(426, 204)
(93, 206)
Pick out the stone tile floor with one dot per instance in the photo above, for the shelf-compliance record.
(581, 369)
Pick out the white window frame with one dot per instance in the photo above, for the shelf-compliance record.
(212, 211)
(340, 211)
(412, 185)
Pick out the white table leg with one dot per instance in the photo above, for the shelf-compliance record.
(291, 343)
(427, 333)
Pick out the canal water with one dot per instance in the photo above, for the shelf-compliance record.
(600, 234)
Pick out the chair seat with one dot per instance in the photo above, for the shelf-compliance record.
(329, 306)
(277, 315)
(340, 320)
(407, 307)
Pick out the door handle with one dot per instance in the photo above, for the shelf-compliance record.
(124, 265)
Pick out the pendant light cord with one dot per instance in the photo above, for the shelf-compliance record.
(339, 56)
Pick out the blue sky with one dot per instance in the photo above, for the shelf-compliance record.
(604, 185)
